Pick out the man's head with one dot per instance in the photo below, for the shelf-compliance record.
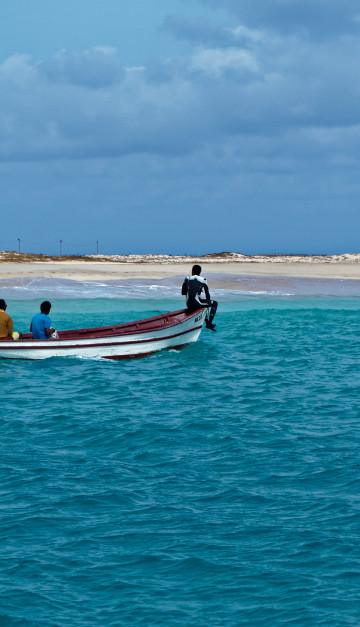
(45, 307)
(2, 304)
(196, 270)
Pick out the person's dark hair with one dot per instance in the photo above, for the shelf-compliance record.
(2, 303)
(45, 307)
(196, 269)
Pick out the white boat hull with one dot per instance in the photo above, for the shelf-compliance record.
(121, 347)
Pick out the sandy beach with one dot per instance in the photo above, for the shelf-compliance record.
(112, 270)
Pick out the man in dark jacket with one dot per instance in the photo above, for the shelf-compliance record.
(192, 288)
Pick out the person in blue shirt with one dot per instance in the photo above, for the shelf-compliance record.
(40, 326)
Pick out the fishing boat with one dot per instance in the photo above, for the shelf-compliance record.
(172, 330)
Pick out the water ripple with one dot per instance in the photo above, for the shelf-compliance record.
(215, 486)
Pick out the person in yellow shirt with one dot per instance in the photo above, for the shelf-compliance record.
(6, 323)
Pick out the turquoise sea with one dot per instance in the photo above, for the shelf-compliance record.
(215, 486)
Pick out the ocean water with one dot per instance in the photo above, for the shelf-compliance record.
(218, 485)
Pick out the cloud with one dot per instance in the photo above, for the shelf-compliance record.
(50, 114)
(93, 68)
(198, 30)
(233, 82)
(217, 61)
(320, 18)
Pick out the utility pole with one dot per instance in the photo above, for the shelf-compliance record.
(97, 246)
(61, 248)
(19, 243)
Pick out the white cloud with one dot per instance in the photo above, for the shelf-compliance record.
(251, 34)
(216, 61)
(108, 50)
(16, 71)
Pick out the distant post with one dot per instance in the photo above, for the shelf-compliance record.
(61, 248)
(19, 243)
(97, 247)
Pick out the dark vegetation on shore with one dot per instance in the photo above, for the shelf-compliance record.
(16, 257)
(9, 256)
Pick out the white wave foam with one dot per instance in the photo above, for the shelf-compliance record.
(226, 288)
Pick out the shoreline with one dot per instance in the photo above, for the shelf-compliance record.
(113, 270)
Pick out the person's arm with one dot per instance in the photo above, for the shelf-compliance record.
(31, 327)
(184, 288)
(206, 289)
(48, 330)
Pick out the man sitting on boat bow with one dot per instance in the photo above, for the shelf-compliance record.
(192, 288)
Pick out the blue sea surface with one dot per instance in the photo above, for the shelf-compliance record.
(215, 486)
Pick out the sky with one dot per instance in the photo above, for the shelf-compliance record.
(180, 126)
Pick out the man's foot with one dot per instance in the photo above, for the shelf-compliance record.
(210, 325)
